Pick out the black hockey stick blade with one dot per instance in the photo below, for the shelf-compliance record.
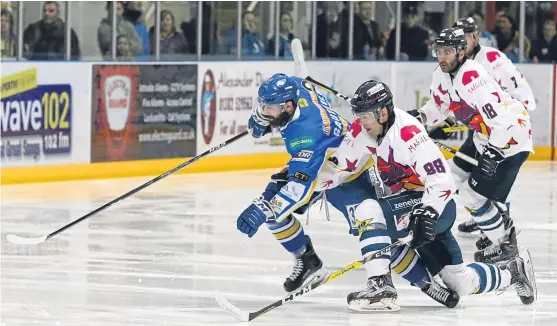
(246, 316)
(15, 239)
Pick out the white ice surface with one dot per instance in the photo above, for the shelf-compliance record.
(158, 258)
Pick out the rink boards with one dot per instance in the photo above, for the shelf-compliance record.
(84, 120)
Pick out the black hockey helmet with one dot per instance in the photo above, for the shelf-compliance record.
(468, 24)
(372, 96)
(453, 37)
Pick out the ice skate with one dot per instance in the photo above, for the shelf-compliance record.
(469, 229)
(444, 296)
(522, 277)
(308, 269)
(378, 295)
(503, 251)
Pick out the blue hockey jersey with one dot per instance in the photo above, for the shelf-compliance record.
(311, 137)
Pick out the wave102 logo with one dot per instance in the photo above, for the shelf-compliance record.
(208, 106)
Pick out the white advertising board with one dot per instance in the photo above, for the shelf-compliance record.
(45, 113)
(227, 93)
(346, 76)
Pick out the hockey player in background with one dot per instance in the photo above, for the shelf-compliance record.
(502, 140)
(312, 132)
(509, 78)
(411, 164)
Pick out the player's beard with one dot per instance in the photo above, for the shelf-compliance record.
(281, 120)
(449, 66)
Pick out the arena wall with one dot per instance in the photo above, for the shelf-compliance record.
(86, 120)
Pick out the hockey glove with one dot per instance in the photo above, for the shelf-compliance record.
(489, 160)
(439, 133)
(258, 125)
(252, 217)
(423, 224)
(278, 180)
(416, 114)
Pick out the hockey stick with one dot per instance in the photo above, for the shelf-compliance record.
(245, 316)
(32, 241)
(299, 62)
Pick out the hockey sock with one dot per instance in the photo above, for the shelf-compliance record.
(489, 221)
(408, 264)
(490, 277)
(290, 234)
(374, 237)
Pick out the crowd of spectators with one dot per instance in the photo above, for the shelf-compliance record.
(45, 39)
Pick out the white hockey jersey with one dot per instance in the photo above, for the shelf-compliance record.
(474, 98)
(507, 75)
(406, 158)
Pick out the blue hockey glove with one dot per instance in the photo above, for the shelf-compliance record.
(423, 224)
(278, 180)
(258, 126)
(490, 159)
(252, 217)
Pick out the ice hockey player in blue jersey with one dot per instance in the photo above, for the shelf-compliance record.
(312, 132)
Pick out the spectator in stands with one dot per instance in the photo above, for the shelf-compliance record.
(172, 43)
(123, 49)
(133, 13)
(486, 38)
(328, 32)
(252, 43)
(9, 40)
(285, 37)
(209, 28)
(46, 39)
(545, 49)
(414, 39)
(508, 38)
(123, 27)
(367, 41)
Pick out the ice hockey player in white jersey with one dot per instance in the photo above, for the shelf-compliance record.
(509, 78)
(502, 141)
(413, 167)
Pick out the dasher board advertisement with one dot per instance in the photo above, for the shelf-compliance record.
(39, 121)
(143, 112)
(227, 95)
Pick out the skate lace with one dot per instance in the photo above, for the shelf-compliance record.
(298, 269)
(521, 289)
(469, 222)
(493, 250)
(323, 197)
(438, 293)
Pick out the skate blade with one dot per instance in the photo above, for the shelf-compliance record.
(529, 269)
(469, 235)
(384, 305)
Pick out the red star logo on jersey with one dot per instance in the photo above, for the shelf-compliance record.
(446, 194)
(498, 97)
(441, 90)
(397, 176)
(437, 99)
(373, 150)
(521, 122)
(356, 128)
(350, 166)
(327, 183)
(511, 142)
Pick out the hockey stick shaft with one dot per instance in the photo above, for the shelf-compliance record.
(245, 316)
(470, 160)
(145, 185)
